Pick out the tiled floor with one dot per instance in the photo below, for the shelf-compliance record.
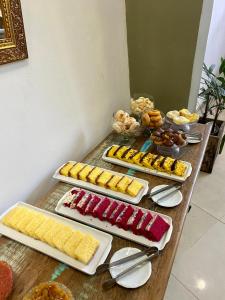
(199, 268)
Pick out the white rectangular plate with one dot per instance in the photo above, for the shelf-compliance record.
(122, 163)
(100, 256)
(102, 190)
(74, 214)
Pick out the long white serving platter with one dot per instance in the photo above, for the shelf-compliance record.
(100, 256)
(147, 170)
(104, 225)
(102, 190)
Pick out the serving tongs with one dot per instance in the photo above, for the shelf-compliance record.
(104, 267)
(111, 282)
(171, 187)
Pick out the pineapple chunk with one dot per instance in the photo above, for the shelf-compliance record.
(34, 224)
(72, 243)
(61, 237)
(86, 249)
(13, 216)
(51, 233)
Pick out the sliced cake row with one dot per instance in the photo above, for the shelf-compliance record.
(103, 178)
(122, 215)
(148, 160)
(77, 244)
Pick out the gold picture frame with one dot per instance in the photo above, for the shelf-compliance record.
(13, 46)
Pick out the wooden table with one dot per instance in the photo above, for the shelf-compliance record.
(31, 267)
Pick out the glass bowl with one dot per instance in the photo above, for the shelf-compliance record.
(126, 127)
(173, 151)
(183, 127)
(45, 286)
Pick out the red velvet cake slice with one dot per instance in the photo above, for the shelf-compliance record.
(123, 217)
(77, 198)
(140, 229)
(156, 229)
(83, 203)
(70, 197)
(100, 208)
(91, 205)
(75, 191)
(116, 213)
(107, 214)
(134, 219)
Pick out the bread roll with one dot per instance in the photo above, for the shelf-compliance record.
(172, 114)
(154, 112)
(180, 120)
(145, 119)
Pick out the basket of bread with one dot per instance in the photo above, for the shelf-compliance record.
(140, 105)
(124, 124)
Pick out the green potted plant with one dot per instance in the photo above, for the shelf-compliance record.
(212, 92)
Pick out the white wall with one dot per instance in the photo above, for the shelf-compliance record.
(58, 104)
(204, 26)
(215, 47)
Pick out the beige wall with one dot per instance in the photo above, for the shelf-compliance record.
(58, 104)
(162, 39)
(215, 48)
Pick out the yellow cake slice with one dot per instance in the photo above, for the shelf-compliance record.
(120, 151)
(72, 243)
(157, 162)
(76, 169)
(104, 178)
(62, 236)
(86, 249)
(134, 188)
(123, 184)
(113, 182)
(96, 171)
(167, 164)
(112, 150)
(137, 157)
(180, 168)
(66, 168)
(146, 161)
(129, 155)
(85, 172)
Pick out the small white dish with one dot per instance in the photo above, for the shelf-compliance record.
(168, 201)
(134, 278)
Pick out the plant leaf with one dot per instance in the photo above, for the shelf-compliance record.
(211, 68)
(221, 79)
(222, 66)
